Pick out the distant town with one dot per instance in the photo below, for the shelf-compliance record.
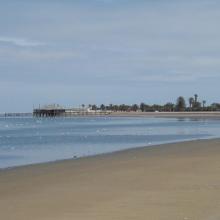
(192, 104)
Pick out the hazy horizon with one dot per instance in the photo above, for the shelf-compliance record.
(107, 51)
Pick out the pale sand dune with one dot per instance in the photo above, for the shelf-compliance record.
(170, 182)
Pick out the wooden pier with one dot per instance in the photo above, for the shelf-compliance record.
(48, 112)
(57, 111)
(13, 114)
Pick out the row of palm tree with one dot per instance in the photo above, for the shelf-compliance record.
(194, 105)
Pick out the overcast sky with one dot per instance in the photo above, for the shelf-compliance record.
(107, 51)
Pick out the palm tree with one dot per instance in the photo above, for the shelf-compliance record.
(102, 107)
(191, 101)
(169, 107)
(203, 103)
(196, 98)
(142, 107)
(134, 107)
(94, 107)
(180, 104)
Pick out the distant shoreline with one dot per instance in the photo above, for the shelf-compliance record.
(106, 154)
(168, 114)
(133, 114)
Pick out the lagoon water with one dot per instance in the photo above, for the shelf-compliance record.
(35, 140)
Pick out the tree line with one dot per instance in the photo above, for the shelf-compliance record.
(192, 104)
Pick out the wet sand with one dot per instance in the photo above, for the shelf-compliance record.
(173, 181)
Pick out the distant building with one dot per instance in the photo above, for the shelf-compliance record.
(54, 110)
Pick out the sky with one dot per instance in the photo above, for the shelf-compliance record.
(75, 52)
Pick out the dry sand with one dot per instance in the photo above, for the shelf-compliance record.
(169, 182)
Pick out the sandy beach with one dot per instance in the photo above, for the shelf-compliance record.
(173, 181)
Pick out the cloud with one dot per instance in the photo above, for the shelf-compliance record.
(139, 46)
(174, 77)
(21, 42)
(36, 55)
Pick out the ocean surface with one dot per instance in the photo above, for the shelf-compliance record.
(34, 140)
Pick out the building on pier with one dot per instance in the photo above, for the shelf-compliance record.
(56, 110)
(49, 111)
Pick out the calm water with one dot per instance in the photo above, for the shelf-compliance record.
(33, 140)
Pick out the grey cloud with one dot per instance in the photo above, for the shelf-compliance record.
(124, 43)
(21, 42)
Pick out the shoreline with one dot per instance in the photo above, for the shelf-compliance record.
(214, 114)
(108, 153)
(168, 181)
(13, 164)
(196, 115)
